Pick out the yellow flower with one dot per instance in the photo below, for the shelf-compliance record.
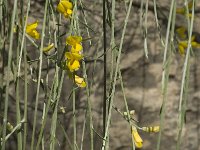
(183, 10)
(31, 30)
(195, 44)
(182, 45)
(151, 129)
(136, 137)
(181, 31)
(48, 48)
(65, 7)
(190, 4)
(180, 10)
(181, 50)
(75, 42)
(80, 81)
(73, 59)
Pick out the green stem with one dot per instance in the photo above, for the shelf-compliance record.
(39, 75)
(74, 117)
(115, 77)
(126, 105)
(105, 69)
(8, 81)
(185, 79)
(165, 73)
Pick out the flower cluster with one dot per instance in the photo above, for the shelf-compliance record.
(31, 30)
(73, 57)
(183, 10)
(183, 41)
(65, 7)
(182, 32)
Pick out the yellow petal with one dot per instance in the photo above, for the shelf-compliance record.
(31, 27)
(61, 8)
(66, 14)
(66, 4)
(151, 129)
(69, 11)
(78, 39)
(180, 11)
(138, 144)
(137, 139)
(190, 4)
(80, 81)
(195, 44)
(68, 55)
(77, 56)
(193, 38)
(31, 30)
(183, 43)
(77, 48)
(181, 50)
(73, 56)
(73, 65)
(37, 35)
(189, 15)
(181, 32)
(34, 34)
(73, 40)
(65, 7)
(156, 128)
(48, 48)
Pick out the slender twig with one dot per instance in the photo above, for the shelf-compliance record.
(115, 76)
(185, 78)
(105, 70)
(165, 73)
(126, 105)
(39, 75)
(8, 81)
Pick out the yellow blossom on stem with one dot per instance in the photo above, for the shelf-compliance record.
(183, 10)
(65, 7)
(75, 42)
(181, 50)
(136, 137)
(73, 59)
(151, 129)
(182, 45)
(180, 10)
(195, 44)
(80, 81)
(181, 31)
(31, 30)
